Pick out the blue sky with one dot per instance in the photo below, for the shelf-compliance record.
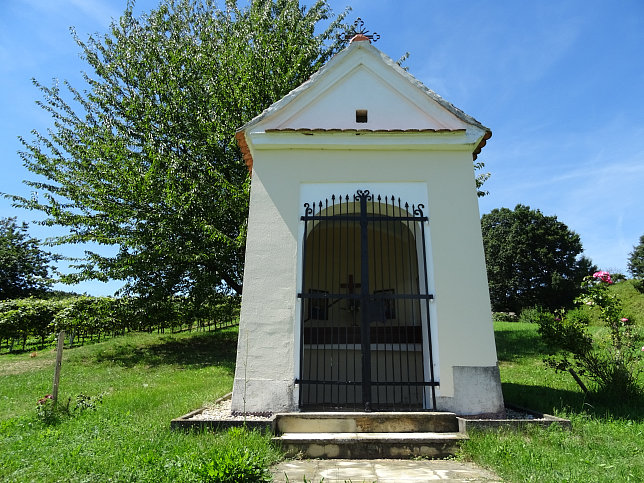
(560, 83)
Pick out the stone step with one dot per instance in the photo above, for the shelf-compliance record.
(370, 445)
(362, 422)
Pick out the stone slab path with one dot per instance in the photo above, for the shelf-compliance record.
(382, 470)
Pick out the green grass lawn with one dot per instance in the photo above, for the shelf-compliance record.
(145, 381)
(606, 442)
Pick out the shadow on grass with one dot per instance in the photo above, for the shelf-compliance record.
(196, 350)
(513, 345)
(550, 400)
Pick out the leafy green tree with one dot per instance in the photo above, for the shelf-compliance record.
(480, 179)
(144, 157)
(24, 267)
(532, 259)
(636, 260)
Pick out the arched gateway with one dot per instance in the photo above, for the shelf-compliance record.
(365, 338)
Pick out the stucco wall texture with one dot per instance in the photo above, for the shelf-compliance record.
(267, 353)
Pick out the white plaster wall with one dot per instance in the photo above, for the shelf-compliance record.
(361, 77)
(266, 350)
(264, 370)
(336, 107)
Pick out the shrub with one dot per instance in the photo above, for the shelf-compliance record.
(618, 277)
(639, 285)
(51, 412)
(504, 317)
(535, 315)
(567, 333)
(243, 456)
(611, 356)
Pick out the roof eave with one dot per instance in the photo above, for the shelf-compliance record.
(483, 142)
(240, 136)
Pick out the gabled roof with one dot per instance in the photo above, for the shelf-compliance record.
(397, 102)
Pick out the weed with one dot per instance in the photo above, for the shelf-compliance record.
(241, 457)
(50, 412)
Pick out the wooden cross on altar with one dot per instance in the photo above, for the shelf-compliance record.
(354, 304)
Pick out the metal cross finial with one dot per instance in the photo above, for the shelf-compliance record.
(358, 29)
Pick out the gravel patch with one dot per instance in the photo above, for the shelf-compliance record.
(220, 411)
(514, 414)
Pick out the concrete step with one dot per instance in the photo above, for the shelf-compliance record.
(370, 445)
(361, 422)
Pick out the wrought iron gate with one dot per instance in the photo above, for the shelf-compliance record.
(365, 338)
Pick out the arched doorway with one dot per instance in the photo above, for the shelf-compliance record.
(365, 335)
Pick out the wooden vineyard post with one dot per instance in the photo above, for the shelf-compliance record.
(59, 361)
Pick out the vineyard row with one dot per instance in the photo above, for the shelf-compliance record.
(32, 321)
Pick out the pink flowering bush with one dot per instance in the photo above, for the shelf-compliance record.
(595, 292)
(609, 357)
(603, 276)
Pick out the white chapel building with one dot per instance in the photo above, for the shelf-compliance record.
(365, 286)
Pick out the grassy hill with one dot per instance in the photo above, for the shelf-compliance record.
(632, 300)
